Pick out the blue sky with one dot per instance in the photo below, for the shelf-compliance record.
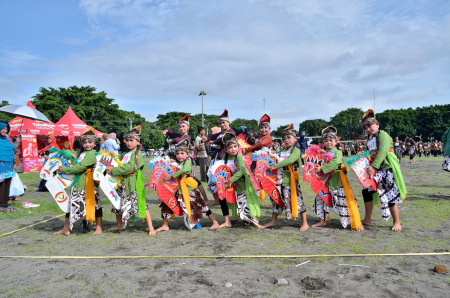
(308, 59)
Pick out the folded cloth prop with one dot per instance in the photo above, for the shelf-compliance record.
(359, 165)
(221, 174)
(108, 183)
(314, 158)
(165, 189)
(267, 179)
(57, 183)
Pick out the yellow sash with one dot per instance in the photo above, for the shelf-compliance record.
(353, 211)
(89, 196)
(294, 204)
(262, 194)
(184, 183)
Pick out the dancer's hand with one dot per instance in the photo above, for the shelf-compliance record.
(167, 177)
(271, 168)
(228, 184)
(60, 169)
(318, 169)
(370, 170)
(73, 155)
(109, 169)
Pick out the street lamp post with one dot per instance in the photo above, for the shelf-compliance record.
(202, 93)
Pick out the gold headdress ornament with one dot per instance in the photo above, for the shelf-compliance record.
(369, 118)
(88, 134)
(289, 131)
(134, 133)
(329, 132)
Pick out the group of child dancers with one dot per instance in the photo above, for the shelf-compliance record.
(85, 202)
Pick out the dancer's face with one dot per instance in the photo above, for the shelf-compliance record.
(88, 145)
(289, 141)
(372, 129)
(225, 125)
(183, 127)
(264, 129)
(233, 149)
(131, 143)
(181, 156)
(329, 143)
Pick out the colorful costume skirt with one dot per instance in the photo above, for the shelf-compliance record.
(129, 205)
(285, 195)
(339, 202)
(78, 204)
(198, 208)
(7, 169)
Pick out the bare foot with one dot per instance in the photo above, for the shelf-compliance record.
(62, 232)
(396, 227)
(304, 227)
(321, 223)
(152, 232)
(259, 226)
(98, 231)
(162, 228)
(270, 224)
(116, 228)
(224, 225)
(367, 222)
(215, 225)
(359, 229)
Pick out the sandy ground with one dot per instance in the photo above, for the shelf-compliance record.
(424, 216)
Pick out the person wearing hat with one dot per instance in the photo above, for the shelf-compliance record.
(84, 198)
(181, 138)
(131, 190)
(288, 185)
(264, 139)
(343, 200)
(7, 166)
(219, 140)
(385, 166)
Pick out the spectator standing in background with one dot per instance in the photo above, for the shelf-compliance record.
(200, 153)
(303, 145)
(111, 144)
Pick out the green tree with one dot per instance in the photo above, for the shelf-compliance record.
(348, 123)
(250, 124)
(4, 117)
(94, 108)
(279, 130)
(313, 127)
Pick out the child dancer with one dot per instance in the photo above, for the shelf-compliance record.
(217, 139)
(194, 208)
(264, 139)
(131, 189)
(84, 199)
(247, 201)
(343, 201)
(288, 185)
(388, 177)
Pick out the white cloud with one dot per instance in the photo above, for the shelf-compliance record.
(309, 59)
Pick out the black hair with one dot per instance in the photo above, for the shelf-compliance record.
(200, 128)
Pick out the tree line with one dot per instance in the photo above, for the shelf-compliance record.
(100, 112)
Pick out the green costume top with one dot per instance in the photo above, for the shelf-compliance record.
(334, 180)
(383, 144)
(88, 162)
(292, 158)
(240, 171)
(186, 169)
(128, 169)
(446, 142)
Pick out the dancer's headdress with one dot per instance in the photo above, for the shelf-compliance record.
(265, 120)
(224, 116)
(88, 134)
(329, 132)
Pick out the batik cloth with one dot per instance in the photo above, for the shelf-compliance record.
(198, 208)
(78, 204)
(129, 205)
(243, 210)
(339, 204)
(285, 195)
(446, 163)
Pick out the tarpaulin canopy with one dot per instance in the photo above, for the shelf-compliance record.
(71, 125)
(22, 126)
